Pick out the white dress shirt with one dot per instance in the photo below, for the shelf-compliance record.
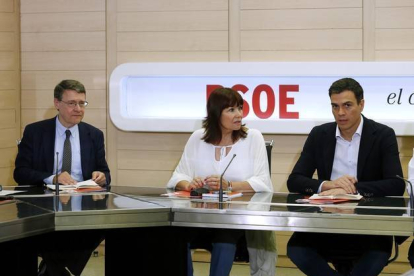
(60, 136)
(346, 154)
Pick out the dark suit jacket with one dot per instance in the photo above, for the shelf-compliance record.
(378, 161)
(34, 161)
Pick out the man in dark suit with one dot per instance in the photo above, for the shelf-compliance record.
(351, 155)
(35, 162)
(81, 157)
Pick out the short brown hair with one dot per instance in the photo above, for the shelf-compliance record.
(220, 99)
(68, 85)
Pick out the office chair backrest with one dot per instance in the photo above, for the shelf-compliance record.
(269, 147)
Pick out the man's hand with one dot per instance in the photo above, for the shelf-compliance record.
(336, 191)
(345, 182)
(99, 178)
(65, 179)
(64, 199)
(336, 210)
(98, 197)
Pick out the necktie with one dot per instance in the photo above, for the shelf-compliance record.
(67, 154)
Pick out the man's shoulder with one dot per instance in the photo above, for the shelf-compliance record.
(375, 126)
(327, 127)
(41, 124)
(88, 127)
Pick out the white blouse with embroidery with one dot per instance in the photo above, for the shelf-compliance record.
(250, 163)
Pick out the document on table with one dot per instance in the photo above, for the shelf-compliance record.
(80, 185)
(340, 196)
(9, 192)
(226, 195)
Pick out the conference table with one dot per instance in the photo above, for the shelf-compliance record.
(146, 226)
(281, 212)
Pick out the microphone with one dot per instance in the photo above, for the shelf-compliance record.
(411, 191)
(221, 179)
(57, 180)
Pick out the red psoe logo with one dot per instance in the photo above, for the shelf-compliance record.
(284, 100)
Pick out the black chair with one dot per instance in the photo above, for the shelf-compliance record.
(269, 147)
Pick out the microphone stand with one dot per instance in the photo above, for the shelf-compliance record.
(221, 182)
(411, 195)
(57, 180)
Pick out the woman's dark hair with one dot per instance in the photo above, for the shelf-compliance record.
(220, 99)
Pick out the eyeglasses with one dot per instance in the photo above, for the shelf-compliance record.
(74, 104)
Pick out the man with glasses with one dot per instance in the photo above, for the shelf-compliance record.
(44, 141)
(68, 150)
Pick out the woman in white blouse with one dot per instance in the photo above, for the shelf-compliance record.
(206, 155)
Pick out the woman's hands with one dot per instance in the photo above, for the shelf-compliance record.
(211, 181)
(184, 185)
(197, 182)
